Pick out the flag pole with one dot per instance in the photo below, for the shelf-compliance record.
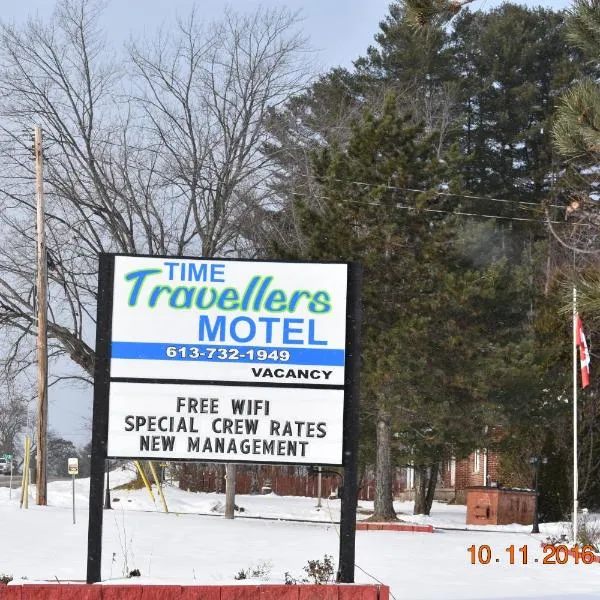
(575, 472)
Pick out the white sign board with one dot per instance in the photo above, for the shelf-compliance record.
(226, 423)
(219, 360)
(73, 466)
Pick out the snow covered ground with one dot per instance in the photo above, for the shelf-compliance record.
(193, 544)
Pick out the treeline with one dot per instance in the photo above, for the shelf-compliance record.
(431, 161)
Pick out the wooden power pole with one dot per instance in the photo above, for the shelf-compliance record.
(42, 322)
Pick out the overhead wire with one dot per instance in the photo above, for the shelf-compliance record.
(522, 203)
(454, 212)
(337, 531)
(469, 196)
(436, 210)
(518, 204)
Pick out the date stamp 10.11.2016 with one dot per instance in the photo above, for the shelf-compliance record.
(560, 554)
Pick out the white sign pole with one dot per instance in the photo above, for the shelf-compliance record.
(10, 480)
(575, 466)
(73, 469)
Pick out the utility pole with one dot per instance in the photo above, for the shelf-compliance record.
(42, 321)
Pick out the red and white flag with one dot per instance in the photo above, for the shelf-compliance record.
(584, 353)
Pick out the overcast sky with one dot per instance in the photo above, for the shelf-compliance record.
(339, 30)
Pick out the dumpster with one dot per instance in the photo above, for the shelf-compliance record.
(499, 506)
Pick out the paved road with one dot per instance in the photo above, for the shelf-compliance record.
(16, 482)
(4, 480)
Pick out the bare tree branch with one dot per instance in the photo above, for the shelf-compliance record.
(167, 160)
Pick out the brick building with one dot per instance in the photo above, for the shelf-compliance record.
(479, 468)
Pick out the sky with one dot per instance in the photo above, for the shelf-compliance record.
(338, 30)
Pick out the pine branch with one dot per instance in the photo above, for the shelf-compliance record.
(583, 27)
(577, 127)
(425, 14)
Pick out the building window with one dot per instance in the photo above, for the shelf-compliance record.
(476, 461)
(410, 478)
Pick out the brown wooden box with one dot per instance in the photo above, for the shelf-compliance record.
(499, 506)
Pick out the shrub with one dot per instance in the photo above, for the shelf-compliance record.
(261, 571)
(318, 571)
(588, 532)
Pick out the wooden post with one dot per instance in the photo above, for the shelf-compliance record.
(140, 469)
(42, 323)
(25, 481)
(319, 487)
(229, 490)
(158, 485)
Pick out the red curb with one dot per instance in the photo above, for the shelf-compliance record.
(121, 592)
(240, 592)
(384, 592)
(162, 592)
(176, 592)
(10, 592)
(394, 527)
(319, 592)
(358, 593)
(33, 592)
(81, 592)
(201, 592)
(279, 592)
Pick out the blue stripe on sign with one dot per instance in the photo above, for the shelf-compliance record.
(227, 354)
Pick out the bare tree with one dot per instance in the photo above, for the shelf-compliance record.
(158, 152)
(13, 415)
(205, 95)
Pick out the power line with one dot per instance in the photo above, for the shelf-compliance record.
(455, 212)
(436, 210)
(522, 204)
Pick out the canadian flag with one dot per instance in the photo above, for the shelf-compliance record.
(584, 353)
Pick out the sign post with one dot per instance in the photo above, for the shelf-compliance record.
(228, 361)
(9, 459)
(350, 490)
(73, 468)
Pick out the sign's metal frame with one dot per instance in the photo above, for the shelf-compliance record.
(102, 379)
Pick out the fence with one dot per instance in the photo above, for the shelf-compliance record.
(281, 480)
